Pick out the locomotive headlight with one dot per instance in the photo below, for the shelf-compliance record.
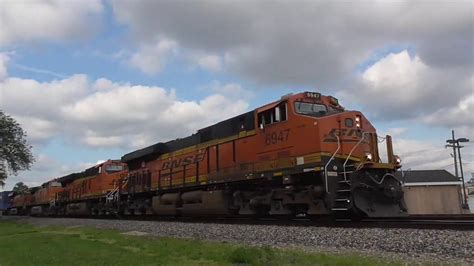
(397, 159)
(357, 119)
(368, 157)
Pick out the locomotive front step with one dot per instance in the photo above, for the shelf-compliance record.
(343, 191)
(339, 209)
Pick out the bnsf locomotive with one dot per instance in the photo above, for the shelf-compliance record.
(303, 155)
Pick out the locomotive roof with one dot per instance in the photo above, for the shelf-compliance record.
(226, 128)
(34, 189)
(94, 170)
(222, 129)
(71, 177)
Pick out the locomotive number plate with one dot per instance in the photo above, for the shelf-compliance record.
(277, 136)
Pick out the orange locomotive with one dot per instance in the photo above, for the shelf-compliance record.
(22, 203)
(301, 155)
(44, 197)
(86, 193)
(77, 194)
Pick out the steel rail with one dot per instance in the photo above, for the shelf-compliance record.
(462, 223)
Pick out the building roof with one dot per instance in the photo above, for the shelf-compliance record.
(426, 176)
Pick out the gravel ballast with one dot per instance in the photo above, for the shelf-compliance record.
(410, 245)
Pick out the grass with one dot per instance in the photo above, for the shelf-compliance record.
(22, 244)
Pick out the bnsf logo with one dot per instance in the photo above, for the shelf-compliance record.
(190, 159)
(344, 134)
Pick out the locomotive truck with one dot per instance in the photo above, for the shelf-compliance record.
(302, 155)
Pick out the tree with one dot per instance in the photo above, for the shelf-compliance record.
(15, 153)
(3, 174)
(20, 188)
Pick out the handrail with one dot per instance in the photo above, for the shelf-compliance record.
(110, 195)
(350, 153)
(332, 158)
(123, 182)
(115, 193)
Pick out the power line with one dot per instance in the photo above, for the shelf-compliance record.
(425, 150)
(451, 164)
(431, 149)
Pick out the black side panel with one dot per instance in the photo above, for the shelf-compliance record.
(178, 144)
(71, 177)
(248, 121)
(205, 134)
(91, 171)
(34, 189)
(223, 129)
(228, 127)
(159, 148)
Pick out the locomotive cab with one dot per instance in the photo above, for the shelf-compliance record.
(336, 154)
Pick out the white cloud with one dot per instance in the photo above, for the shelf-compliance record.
(28, 97)
(38, 129)
(103, 84)
(313, 43)
(91, 139)
(460, 116)
(423, 154)
(397, 75)
(151, 58)
(323, 44)
(208, 62)
(397, 131)
(45, 168)
(231, 90)
(105, 114)
(102, 113)
(40, 172)
(400, 87)
(4, 58)
(54, 20)
(131, 103)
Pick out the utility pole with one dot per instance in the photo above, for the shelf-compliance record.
(454, 155)
(455, 144)
(462, 174)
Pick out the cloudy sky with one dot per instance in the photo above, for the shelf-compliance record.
(91, 80)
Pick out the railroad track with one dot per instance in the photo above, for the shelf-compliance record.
(456, 222)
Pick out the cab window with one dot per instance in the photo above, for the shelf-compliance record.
(274, 115)
(311, 109)
(332, 110)
(113, 168)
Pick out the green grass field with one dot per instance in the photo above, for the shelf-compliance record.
(22, 244)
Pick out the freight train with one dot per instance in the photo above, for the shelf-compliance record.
(302, 155)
